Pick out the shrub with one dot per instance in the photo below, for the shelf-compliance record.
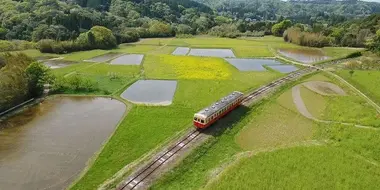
(58, 48)
(126, 35)
(160, 29)
(46, 46)
(14, 87)
(3, 32)
(38, 74)
(100, 37)
(184, 36)
(254, 34)
(74, 83)
(184, 29)
(355, 54)
(97, 38)
(294, 35)
(279, 28)
(225, 30)
(7, 46)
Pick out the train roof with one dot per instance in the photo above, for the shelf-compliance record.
(215, 107)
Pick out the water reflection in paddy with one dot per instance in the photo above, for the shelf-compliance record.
(47, 146)
(304, 55)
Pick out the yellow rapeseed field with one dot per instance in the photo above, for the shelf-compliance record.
(187, 67)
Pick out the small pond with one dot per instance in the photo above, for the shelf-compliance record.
(252, 64)
(304, 55)
(151, 92)
(56, 63)
(212, 52)
(181, 51)
(104, 58)
(48, 145)
(130, 59)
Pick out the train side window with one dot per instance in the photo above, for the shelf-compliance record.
(202, 121)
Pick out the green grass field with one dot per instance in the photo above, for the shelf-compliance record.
(201, 81)
(339, 108)
(367, 81)
(300, 168)
(287, 151)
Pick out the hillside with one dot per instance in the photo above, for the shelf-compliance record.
(301, 10)
(66, 19)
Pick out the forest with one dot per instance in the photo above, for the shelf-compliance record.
(33, 20)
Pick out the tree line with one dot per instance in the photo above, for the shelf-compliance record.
(331, 12)
(21, 78)
(353, 33)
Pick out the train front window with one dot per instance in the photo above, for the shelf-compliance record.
(202, 121)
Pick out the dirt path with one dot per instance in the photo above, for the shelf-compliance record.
(302, 109)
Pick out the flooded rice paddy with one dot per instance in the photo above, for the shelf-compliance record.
(104, 58)
(283, 68)
(151, 92)
(47, 146)
(181, 51)
(56, 63)
(225, 53)
(252, 64)
(130, 59)
(304, 55)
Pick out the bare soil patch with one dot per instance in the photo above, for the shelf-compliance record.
(324, 88)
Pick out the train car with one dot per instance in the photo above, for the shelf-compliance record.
(209, 115)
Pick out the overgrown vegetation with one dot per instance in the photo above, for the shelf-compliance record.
(96, 38)
(353, 33)
(21, 79)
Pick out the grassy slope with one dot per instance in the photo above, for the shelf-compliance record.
(339, 108)
(301, 168)
(366, 81)
(349, 162)
(266, 131)
(353, 151)
(202, 164)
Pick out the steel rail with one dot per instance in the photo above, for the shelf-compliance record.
(138, 178)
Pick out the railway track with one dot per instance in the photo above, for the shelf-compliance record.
(137, 179)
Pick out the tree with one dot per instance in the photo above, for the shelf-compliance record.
(38, 75)
(160, 29)
(3, 32)
(219, 20)
(101, 37)
(184, 29)
(351, 72)
(374, 43)
(279, 28)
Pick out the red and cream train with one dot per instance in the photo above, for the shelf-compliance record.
(209, 115)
